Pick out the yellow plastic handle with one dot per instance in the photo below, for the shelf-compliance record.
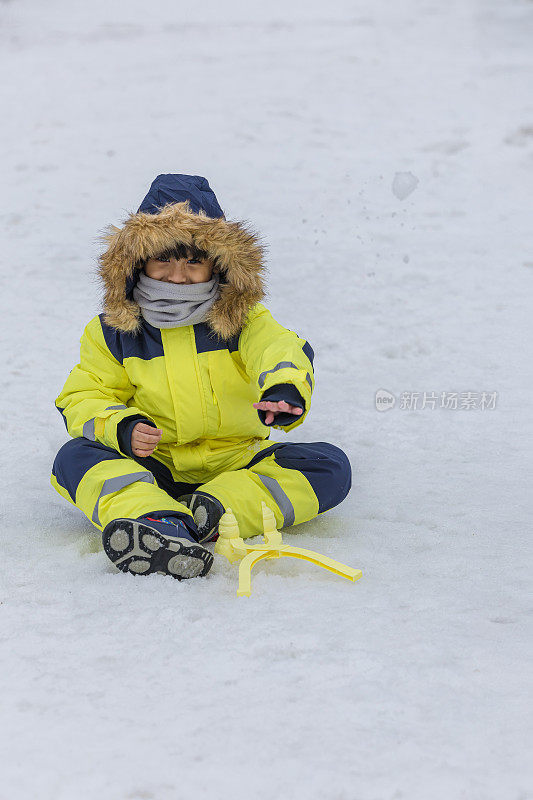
(234, 548)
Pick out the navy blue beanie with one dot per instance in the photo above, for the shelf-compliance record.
(167, 189)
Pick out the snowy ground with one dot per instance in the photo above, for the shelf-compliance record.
(411, 683)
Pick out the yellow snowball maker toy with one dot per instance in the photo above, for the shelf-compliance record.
(231, 545)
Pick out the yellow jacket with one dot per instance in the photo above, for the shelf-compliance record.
(184, 380)
(198, 382)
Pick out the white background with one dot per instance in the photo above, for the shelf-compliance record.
(411, 683)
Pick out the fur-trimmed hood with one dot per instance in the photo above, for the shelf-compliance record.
(145, 234)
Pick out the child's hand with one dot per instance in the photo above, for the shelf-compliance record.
(274, 408)
(144, 439)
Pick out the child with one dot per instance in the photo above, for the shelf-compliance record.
(179, 382)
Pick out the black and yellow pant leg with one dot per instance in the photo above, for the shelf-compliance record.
(106, 485)
(297, 481)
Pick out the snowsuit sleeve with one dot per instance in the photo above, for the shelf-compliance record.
(278, 362)
(93, 401)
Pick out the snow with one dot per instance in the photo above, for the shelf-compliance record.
(403, 184)
(411, 683)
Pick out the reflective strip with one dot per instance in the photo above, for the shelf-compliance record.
(281, 365)
(309, 381)
(285, 505)
(88, 430)
(88, 427)
(114, 484)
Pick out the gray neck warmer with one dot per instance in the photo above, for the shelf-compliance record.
(172, 305)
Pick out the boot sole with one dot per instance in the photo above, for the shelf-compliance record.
(206, 515)
(137, 548)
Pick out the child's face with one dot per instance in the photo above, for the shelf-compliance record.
(179, 270)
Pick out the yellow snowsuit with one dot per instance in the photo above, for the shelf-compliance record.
(196, 383)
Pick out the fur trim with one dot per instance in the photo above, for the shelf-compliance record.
(237, 249)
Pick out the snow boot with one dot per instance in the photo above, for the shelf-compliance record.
(146, 545)
(206, 511)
